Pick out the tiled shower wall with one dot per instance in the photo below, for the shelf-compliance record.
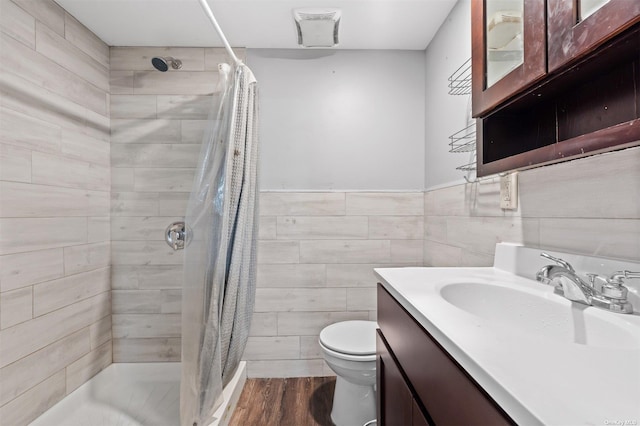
(55, 324)
(157, 124)
(589, 206)
(315, 259)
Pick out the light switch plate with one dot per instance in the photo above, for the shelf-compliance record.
(509, 191)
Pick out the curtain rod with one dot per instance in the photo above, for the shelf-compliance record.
(209, 13)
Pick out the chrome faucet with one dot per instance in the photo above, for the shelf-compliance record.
(602, 292)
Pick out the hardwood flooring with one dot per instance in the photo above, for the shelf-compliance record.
(299, 401)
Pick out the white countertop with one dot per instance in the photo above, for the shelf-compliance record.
(534, 379)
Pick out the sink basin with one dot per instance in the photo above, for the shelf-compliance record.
(542, 313)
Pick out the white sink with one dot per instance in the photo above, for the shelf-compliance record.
(543, 313)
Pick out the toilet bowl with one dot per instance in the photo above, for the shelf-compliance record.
(349, 348)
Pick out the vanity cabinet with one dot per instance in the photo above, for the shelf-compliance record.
(574, 89)
(419, 383)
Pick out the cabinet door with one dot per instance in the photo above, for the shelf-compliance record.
(508, 49)
(395, 402)
(577, 27)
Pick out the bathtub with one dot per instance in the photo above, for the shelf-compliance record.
(140, 394)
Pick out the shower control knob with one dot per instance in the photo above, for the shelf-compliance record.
(176, 235)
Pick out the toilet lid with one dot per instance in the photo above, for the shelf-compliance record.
(350, 337)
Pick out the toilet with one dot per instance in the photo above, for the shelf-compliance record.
(349, 348)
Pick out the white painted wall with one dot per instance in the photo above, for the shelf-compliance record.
(445, 114)
(341, 120)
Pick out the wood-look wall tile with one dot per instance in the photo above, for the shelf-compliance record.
(264, 324)
(88, 366)
(70, 57)
(145, 131)
(17, 23)
(173, 203)
(174, 83)
(27, 337)
(302, 203)
(272, 347)
(396, 227)
(312, 323)
(98, 229)
(139, 58)
(147, 350)
(52, 295)
(345, 251)
(407, 251)
(163, 180)
(100, 332)
(310, 348)
(27, 200)
(594, 237)
(285, 368)
(278, 252)
(358, 275)
(24, 269)
(154, 155)
(83, 147)
(267, 228)
(133, 106)
(28, 132)
(450, 201)
(322, 227)
(27, 372)
(38, 69)
(291, 275)
(47, 11)
(481, 234)
(122, 179)
(15, 306)
(129, 277)
(361, 299)
(300, 299)
(435, 228)
(144, 253)
(99, 203)
(31, 404)
(86, 257)
(146, 301)
(601, 186)
(192, 131)
(218, 55)
(141, 228)
(187, 107)
(385, 203)
(85, 40)
(134, 203)
(121, 82)
(50, 169)
(441, 255)
(30, 234)
(16, 164)
(471, 258)
(146, 326)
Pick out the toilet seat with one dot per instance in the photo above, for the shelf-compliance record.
(353, 338)
(346, 357)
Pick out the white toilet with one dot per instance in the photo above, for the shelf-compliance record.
(349, 348)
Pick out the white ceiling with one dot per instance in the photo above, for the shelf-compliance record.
(365, 24)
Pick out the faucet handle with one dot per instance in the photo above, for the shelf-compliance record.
(559, 261)
(617, 277)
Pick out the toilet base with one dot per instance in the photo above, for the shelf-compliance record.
(353, 405)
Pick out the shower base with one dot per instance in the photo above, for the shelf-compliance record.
(140, 394)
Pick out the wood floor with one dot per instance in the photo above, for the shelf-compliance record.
(300, 401)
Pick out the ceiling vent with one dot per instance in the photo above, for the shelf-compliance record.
(317, 27)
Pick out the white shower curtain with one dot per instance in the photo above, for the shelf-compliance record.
(220, 257)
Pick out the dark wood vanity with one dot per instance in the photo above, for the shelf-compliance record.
(419, 383)
(566, 85)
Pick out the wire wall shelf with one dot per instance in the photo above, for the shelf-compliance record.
(460, 80)
(463, 140)
(467, 167)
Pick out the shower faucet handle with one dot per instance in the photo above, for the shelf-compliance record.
(177, 235)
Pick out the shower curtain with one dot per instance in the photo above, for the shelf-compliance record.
(220, 256)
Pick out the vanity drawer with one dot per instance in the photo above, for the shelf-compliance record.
(447, 392)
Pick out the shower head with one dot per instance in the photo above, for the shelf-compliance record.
(162, 64)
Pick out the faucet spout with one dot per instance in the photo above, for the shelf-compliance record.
(566, 283)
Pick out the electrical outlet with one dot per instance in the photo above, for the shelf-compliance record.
(509, 191)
